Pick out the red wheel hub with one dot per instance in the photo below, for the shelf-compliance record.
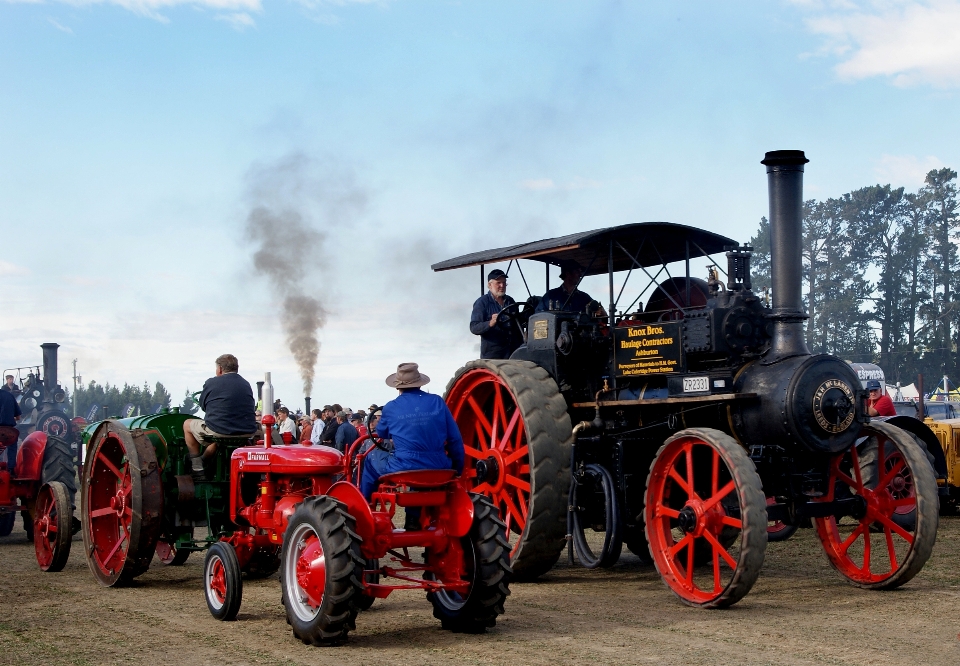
(495, 442)
(218, 580)
(851, 548)
(687, 519)
(312, 571)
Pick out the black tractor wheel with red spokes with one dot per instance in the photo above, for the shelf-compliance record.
(891, 535)
(706, 518)
(122, 503)
(517, 438)
(778, 530)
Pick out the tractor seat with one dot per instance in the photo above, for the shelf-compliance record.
(419, 478)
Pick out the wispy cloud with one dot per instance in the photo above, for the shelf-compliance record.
(59, 26)
(239, 21)
(575, 183)
(9, 269)
(910, 42)
(905, 170)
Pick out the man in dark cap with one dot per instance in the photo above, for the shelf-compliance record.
(498, 339)
(567, 297)
(423, 431)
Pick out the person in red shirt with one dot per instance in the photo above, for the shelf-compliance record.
(879, 403)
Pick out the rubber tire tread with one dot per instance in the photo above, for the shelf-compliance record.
(231, 569)
(336, 529)
(928, 509)
(61, 547)
(365, 601)
(58, 466)
(491, 587)
(753, 514)
(549, 437)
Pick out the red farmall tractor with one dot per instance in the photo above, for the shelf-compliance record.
(336, 546)
(139, 499)
(688, 418)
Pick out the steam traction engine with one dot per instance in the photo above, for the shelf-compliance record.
(681, 427)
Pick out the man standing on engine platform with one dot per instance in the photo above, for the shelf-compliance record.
(228, 406)
(497, 339)
(424, 434)
(568, 297)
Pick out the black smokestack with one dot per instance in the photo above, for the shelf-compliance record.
(306, 402)
(785, 184)
(49, 370)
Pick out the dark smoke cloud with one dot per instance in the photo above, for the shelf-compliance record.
(295, 202)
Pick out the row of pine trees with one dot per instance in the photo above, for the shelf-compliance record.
(882, 277)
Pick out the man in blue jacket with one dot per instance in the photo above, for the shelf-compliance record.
(423, 431)
(498, 339)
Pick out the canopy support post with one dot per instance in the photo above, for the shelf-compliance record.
(687, 246)
(482, 283)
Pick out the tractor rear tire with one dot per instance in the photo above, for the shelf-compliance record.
(532, 463)
(222, 584)
(487, 555)
(52, 525)
(7, 521)
(58, 465)
(322, 551)
(122, 504)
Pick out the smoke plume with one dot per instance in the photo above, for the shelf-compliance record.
(291, 201)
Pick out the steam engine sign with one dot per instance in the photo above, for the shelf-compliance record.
(648, 349)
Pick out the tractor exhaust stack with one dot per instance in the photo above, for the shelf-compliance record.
(49, 370)
(785, 185)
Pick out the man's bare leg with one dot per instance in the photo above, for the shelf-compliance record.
(193, 446)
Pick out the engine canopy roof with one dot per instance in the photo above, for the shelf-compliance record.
(649, 243)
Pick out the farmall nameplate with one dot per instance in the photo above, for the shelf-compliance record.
(648, 349)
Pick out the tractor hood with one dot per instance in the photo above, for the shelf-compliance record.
(293, 459)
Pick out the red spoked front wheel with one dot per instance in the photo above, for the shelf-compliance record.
(52, 520)
(777, 530)
(891, 533)
(517, 438)
(706, 518)
(122, 502)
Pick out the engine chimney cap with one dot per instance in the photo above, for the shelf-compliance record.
(784, 158)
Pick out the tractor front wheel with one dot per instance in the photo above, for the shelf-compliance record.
(53, 518)
(122, 504)
(321, 571)
(487, 568)
(706, 518)
(7, 521)
(222, 585)
(891, 537)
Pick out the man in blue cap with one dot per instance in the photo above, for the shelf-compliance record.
(498, 339)
(879, 403)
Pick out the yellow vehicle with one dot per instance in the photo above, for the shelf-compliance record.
(948, 433)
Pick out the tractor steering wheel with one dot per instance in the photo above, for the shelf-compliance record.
(508, 313)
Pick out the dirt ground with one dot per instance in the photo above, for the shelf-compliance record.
(799, 612)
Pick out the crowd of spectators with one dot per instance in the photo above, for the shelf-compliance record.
(332, 425)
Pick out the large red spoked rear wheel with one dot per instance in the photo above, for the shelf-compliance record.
(517, 438)
(122, 502)
(706, 518)
(53, 517)
(891, 536)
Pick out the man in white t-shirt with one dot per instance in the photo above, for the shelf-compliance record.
(285, 423)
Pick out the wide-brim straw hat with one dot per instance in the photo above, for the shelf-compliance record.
(408, 375)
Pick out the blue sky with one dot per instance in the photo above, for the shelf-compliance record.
(135, 136)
